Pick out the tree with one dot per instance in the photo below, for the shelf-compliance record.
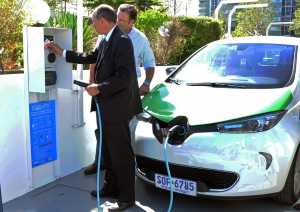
(174, 6)
(140, 4)
(296, 20)
(92, 4)
(56, 5)
(253, 21)
(150, 20)
(147, 4)
(53, 3)
(11, 23)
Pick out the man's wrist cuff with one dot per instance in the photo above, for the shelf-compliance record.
(64, 53)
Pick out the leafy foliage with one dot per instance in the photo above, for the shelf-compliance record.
(201, 31)
(296, 20)
(147, 4)
(184, 35)
(150, 20)
(253, 21)
(11, 22)
(68, 20)
(140, 4)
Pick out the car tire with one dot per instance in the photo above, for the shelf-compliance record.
(291, 191)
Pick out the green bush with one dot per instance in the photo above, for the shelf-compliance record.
(198, 32)
(141, 5)
(184, 35)
(150, 20)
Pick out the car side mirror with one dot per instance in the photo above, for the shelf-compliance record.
(169, 70)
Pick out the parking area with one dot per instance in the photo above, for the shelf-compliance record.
(71, 193)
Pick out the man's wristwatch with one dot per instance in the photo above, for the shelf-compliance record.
(147, 82)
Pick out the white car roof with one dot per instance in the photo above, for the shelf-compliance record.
(262, 39)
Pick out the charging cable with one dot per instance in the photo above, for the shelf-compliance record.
(84, 84)
(99, 155)
(169, 173)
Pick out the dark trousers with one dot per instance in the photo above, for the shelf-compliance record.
(119, 160)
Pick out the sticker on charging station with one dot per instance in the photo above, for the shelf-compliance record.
(42, 132)
(182, 186)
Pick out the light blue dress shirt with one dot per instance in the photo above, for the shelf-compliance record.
(143, 53)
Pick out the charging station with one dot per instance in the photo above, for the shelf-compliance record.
(54, 139)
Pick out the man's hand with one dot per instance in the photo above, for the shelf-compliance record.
(92, 89)
(144, 89)
(55, 48)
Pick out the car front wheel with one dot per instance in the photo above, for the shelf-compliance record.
(291, 190)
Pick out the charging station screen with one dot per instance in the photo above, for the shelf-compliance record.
(42, 132)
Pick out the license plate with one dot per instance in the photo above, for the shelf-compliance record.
(182, 186)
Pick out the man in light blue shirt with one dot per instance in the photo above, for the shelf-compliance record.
(126, 18)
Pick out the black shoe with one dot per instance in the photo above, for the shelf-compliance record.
(105, 193)
(120, 206)
(296, 206)
(92, 169)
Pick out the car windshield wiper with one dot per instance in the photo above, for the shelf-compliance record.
(218, 84)
(176, 81)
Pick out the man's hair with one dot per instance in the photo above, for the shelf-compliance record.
(105, 11)
(130, 10)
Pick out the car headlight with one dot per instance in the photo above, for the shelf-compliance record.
(144, 116)
(254, 124)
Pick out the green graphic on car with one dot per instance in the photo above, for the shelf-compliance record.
(166, 101)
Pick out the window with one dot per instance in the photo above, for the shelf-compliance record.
(250, 64)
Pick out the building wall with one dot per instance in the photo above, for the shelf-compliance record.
(287, 13)
(204, 8)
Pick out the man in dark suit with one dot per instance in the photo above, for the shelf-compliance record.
(116, 90)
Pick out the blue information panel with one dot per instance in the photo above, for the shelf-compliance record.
(42, 132)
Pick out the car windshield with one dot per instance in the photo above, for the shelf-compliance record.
(238, 65)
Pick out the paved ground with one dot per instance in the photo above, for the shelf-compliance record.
(71, 194)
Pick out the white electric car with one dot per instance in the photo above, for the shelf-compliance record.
(241, 99)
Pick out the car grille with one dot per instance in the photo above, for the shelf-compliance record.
(208, 179)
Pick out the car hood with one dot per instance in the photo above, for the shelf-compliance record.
(206, 105)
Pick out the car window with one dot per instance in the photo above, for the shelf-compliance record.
(250, 64)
